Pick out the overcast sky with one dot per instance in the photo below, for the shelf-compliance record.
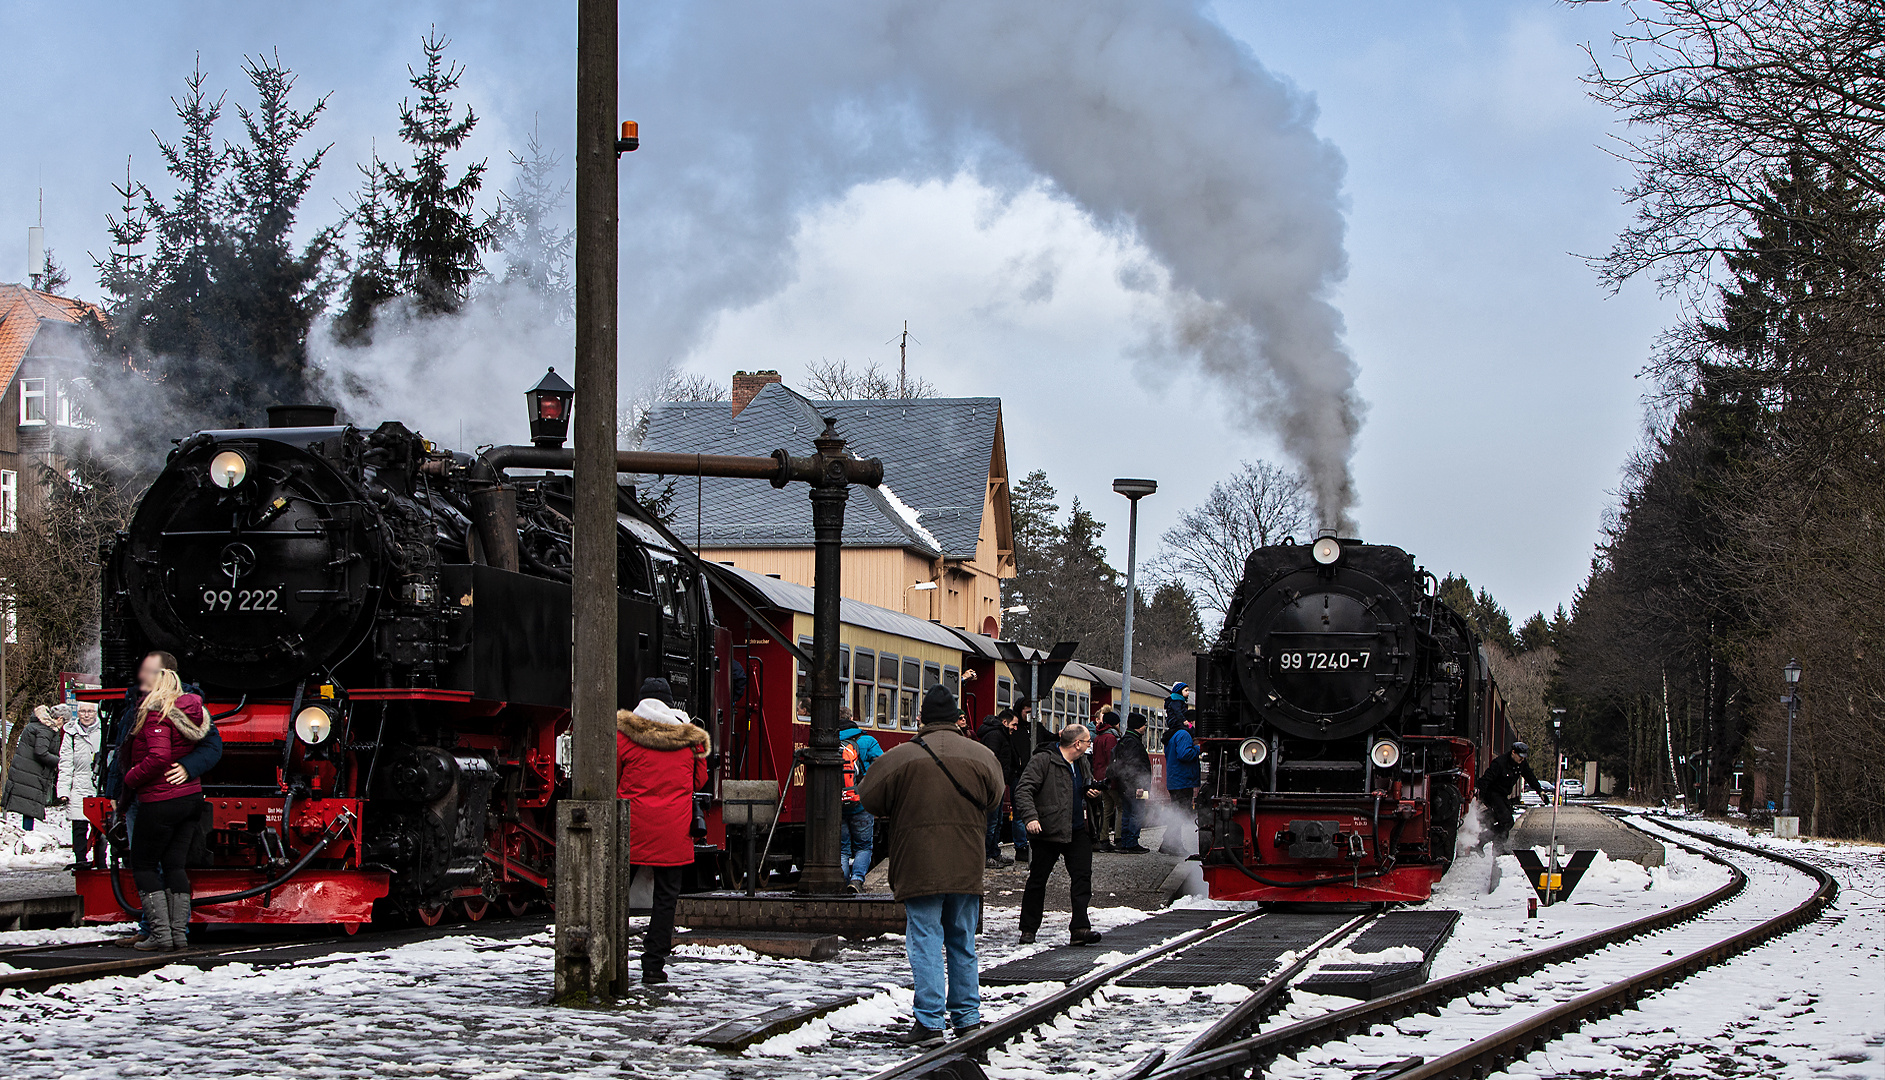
(1499, 377)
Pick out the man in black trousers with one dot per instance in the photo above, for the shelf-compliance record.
(1051, 798)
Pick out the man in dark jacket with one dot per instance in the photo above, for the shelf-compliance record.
(1500, 786)
(1104, 740)
(1129, 772)
(34, 771)
(1181, 765)
(1001, 737)
(937, 789)
(1052, 799)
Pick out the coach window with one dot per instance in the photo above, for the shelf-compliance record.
(952, 680)
(863, 679)
(887, 690)
(844, 675)
(912, 686)
(1059, 719)
(804, 689)
(1004, 692)
(932, 676)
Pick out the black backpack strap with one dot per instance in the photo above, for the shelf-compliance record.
(960, 790)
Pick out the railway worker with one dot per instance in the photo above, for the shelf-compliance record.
(1128, 774)
(33, 775)
(78, 781)
(660, 757)
(937, 789)
(169, 723)
(1052, 799)
(856, 832)
(1500, 786)
(1105, 741)
(1003, 739)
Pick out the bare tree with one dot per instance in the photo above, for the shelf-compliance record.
(1260, 506)
(1723, 95)
(675, 385)
(837, 380)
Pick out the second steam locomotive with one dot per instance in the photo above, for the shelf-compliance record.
(1344, 710)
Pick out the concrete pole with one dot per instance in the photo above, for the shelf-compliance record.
(591, 830)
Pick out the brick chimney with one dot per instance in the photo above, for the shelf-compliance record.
(748, 384)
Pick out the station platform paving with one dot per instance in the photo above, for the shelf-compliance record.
(1584, 828)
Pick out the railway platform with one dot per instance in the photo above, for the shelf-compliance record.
(1585, 828)
(38, 900)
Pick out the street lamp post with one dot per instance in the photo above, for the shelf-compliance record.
(1557, 798)
(1792, 674)
(1133, 490)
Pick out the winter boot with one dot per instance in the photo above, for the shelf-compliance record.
(157, 910)
(179, 920)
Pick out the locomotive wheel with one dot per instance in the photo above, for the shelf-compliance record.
(350, 928)
(431, 915)
(475, 910)
(517, 908)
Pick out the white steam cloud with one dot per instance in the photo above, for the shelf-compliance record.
(1144, 113)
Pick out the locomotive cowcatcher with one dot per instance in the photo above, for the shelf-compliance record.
(382, 630)
(1343, 713)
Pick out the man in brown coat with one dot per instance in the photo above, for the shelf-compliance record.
(937, 790)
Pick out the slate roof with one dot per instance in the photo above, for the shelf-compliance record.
(790, 596)
(936, 454)
(23, 313)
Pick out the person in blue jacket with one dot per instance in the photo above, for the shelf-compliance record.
(193, 765)
(1181, 764)
(857, 830)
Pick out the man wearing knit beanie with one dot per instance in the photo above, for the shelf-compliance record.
(937, 790)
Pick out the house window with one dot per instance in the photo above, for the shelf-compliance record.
(9, 501)
(70, 415)
(32, 401)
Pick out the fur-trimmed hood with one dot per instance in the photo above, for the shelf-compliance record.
(654, 726)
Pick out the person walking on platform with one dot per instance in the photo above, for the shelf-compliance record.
(1052, 799)
(1129, 772)
(1104, 742)
(32, 777)
(660, 759)
(1499, 789)
(1004, 739)
(857, 830)
(169, 724)
(937, 789)
(78, 781)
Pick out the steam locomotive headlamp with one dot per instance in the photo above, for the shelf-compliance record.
(314, 724)
(1386, 754)
(1253, 751)
(1327, 550)
(228, 469)
(549, 410)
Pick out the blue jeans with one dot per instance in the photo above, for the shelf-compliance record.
(994, 835)
(1131, 819)
(938, 927)
(854, 839)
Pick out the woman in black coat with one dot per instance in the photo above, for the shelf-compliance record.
(35, 770)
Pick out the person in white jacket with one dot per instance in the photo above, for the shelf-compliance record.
(78, 781)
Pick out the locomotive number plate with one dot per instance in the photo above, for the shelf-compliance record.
(264, 600)
(1344, 660)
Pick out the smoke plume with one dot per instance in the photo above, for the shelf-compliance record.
(1144, 113)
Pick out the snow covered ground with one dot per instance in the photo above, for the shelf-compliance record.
(473, 1008)
(47, 847)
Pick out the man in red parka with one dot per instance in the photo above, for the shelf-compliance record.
(660, 758)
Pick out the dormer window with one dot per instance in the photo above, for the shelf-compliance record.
(32, 402)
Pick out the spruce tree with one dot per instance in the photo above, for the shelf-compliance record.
(527, 229)
(374, 280)
(436, 232)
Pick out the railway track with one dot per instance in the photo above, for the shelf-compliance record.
(1472, 1009)
(959, 1057)
(42, 967)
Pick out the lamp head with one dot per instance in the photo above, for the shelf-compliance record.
(1792, 672)
(549, 402)
(1134, 489)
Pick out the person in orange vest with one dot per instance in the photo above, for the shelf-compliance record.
(857, 831)
(660, 756)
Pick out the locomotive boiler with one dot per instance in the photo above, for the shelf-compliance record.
(382, 629)
(1342, 714)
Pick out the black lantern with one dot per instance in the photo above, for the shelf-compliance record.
(549, 410)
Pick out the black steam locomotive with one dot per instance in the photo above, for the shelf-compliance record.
(1343, 710)
(383, 629)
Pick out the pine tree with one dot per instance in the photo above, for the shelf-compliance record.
(440, 242)
(123, 272)
(526, 229)
(179, 321)
(52, 278)
(374, 280)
